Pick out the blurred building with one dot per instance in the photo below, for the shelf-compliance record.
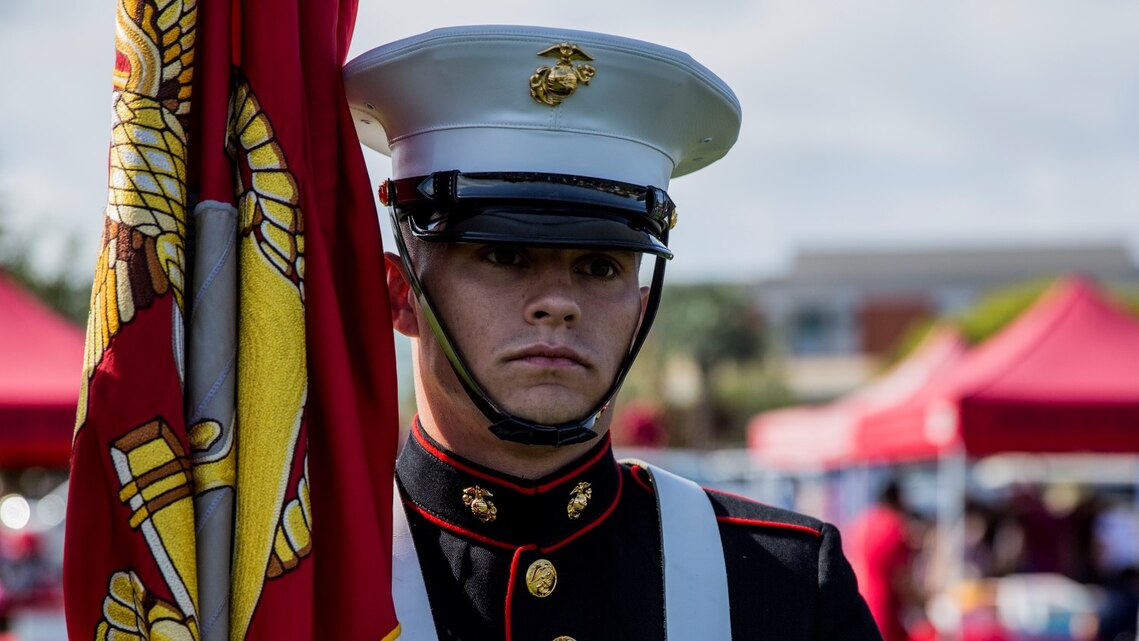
(837, 312)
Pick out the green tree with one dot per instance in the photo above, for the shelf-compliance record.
(714, 323)
(62, 291)
(718, 328)
(993, 311)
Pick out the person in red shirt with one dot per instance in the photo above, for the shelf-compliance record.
(881, 553)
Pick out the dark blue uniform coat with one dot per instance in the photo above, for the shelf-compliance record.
(787, 577)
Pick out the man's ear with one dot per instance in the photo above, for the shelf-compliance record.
(644, 305)
(401, 297)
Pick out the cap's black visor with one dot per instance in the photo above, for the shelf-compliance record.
(548, 210)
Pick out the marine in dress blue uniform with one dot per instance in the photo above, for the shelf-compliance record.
(527, 140)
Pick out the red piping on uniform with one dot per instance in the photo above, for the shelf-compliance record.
(454, 528)
(775, 524)
(640, 481)
(510, 585)
(446, 458)
(604, 515)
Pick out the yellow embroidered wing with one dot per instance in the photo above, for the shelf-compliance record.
(143, 252)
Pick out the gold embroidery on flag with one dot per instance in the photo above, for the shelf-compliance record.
(293, 540)
(213, 470)
(130, 612)
(142, 255)
(272, 382)
(270, 202)
(157, 485)
(143, 258)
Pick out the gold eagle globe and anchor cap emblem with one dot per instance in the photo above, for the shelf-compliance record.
(551, 85)
(475, 498)
(579, 498)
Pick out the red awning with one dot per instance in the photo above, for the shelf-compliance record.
(41, 361)
(823, 436)
(1064, 377)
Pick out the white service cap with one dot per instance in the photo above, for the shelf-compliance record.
(533, 99)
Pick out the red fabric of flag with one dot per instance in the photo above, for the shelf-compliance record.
(232, 462)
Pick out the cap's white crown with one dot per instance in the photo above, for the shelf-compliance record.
(459, 98)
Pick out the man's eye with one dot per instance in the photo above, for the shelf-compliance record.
(504, 256)
(600, 268)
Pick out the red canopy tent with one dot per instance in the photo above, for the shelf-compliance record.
(822, 436)
(41, 360)
(1063, 377)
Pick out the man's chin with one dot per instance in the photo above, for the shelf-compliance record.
(550, 409)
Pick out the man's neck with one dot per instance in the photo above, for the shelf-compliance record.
(473, 441)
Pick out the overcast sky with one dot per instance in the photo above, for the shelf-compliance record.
(866, 124)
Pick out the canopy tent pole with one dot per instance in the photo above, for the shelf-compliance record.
(952, 479)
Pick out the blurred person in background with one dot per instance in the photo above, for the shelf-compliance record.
(881, 546)
(640, 424)
(25, 579)
(980, 529)
(1115, 532)
(1119, 613)
(1034, 537)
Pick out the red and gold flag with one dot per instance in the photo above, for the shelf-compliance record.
(232, 460)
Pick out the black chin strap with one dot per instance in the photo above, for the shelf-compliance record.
(511, 429)
(503, 424)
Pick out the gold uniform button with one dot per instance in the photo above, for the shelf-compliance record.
(541, 579)
(564, 638)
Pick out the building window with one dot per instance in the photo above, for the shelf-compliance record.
(813, 331)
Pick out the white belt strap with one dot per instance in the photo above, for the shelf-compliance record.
(695, 579)
(409, 592)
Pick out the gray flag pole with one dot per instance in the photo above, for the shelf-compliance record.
(211, 383)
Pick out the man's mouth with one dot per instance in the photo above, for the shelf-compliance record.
(549, 356)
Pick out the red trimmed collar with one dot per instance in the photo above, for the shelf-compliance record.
(458, 495)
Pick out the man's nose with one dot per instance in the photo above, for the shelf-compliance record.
(553, 299)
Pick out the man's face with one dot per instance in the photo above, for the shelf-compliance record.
(542, 330)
